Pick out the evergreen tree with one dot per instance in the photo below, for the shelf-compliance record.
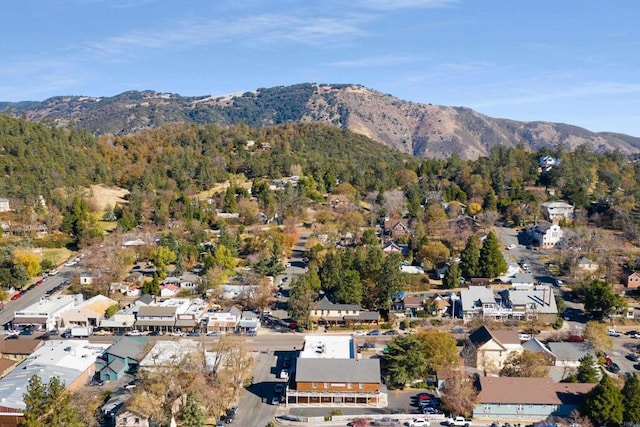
(35, 402)
(587, 372)
(350, 289)
(470, 258)
(390, 281)
(492, 262)
(631, 395)
(48, 405)
(331, 272)
(192, 413)
(452, 276)
(603, 404)
(405, 360)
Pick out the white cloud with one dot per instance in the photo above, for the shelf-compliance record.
(374, 61)
(549, 94)
(387, 5)
(260, 29)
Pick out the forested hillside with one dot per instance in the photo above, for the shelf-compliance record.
(421, 130)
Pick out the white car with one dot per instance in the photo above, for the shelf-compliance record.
(419, 422)
(511, 247)
(284, 374)
(134, 333)
(53, 272)
(70, 263)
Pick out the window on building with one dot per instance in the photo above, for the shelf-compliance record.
(314, 385)
(519, 408)
(326, 385)
(360, 386)
(487, 408)
(349, 386)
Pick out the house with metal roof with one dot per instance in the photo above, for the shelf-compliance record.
(329, 373)
(527, 399)
(121, 358)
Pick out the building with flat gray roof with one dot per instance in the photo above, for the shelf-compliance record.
(72, 361)
(45, 314)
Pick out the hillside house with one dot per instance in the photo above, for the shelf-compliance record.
(585, 264)
(545, 234)
(396, 228)
(487, 349)
(632, 280)
(556, 211)
(527, 399)
(546, 163)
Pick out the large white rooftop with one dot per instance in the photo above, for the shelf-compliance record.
(327, 347)
(65, 359)
(51, 305)
(165, 352)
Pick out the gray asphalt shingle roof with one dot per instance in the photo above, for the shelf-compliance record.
(338, 370)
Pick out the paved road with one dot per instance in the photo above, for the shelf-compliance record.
(34, 295)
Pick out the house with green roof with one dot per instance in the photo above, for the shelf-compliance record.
(121, 358)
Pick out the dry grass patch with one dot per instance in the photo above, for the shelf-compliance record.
(56, 255)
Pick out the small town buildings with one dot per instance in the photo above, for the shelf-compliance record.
(72, 361)
(328, 373)
(487, 350)
(556, 211)
(121, 358)
(537, 303)
(154, 318)
(327, 313)
(18, 350)
(46, 313)
(437, 305)
(249, 322)
(121, 321)
(568, 354)
(527, 399)
(87, 313)
(522, 281)
(545, 234)
(224, 321)
(536, 346)
(168, 353)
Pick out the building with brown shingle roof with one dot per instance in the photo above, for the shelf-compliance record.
(487, 349)
(527, 399)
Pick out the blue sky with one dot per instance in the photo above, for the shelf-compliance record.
(571, 61)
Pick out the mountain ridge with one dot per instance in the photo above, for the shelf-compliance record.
(422, 130)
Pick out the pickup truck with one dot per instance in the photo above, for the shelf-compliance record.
(458, 422)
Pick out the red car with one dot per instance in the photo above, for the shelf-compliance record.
(16, 296)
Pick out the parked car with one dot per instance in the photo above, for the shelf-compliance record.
(419, 422)
(614, 368)
(53, 272)
(391, 332)
(16, 296)
(374, 333)
(275, 400)
(26, 332)
(512, 246)
(134, 333)
(194, 334)
(214, 334)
